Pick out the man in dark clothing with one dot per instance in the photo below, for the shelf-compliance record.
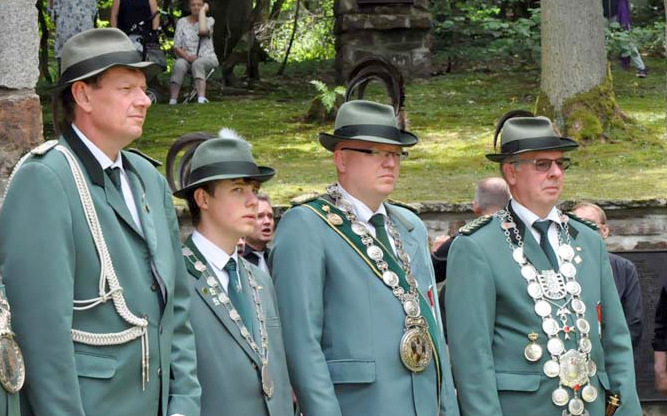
(625, 273)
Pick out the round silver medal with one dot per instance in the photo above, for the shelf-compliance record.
(567, 269)
(374, 252)
(359, 228)
(576, 406)
(518, 256)
(551, 368)
(528, 272)
(244, 332)
(411, 308)
(534, 290)
(390, 278)
(234, 315)
(200, 266)
(404, 257)
(566, 252)
(532, 352)
(573, 287)
(550, 326)
(592, 368)
(212, 281)
(345, 205)
(586, 345)
(222, 297)
(555, 346)
(578, 306)
(583, 326)
(560, 396)
(542, 308)
(589, 393)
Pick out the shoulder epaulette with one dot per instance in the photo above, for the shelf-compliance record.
(590, 224)
(403, 205)
(152, 161)
(43, 148)
(475, 224)
(302, 199)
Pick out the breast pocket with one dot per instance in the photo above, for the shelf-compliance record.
(95, 366)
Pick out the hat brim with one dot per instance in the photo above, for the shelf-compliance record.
(265, 173)
(406, 139)
(565, 144)
(150, 69)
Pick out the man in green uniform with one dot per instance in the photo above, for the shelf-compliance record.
(90, 253)
(241, 358)
(354, 280)
(534, 321)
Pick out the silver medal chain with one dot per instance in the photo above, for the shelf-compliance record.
(409, 300)
(573, 367)
(220, 297)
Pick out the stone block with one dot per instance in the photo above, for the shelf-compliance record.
(20, 126)
(19, 44)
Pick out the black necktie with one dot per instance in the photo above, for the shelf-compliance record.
(377, 220)
(114, 175)
(542, 227)
(236, 295)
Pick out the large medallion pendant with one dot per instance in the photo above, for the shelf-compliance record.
(552, 283)
(416, 349)
(12, 369)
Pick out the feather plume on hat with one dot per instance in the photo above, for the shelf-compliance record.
(230, 134)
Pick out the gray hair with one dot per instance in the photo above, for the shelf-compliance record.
(492, 193)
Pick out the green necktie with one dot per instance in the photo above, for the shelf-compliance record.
(542, 227)
(114, 175)
(377, 220)
(237, 295)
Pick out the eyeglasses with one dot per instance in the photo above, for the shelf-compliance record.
(543, 165)
(379, 154)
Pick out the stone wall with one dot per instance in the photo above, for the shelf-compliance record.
(398, 32)
(20, 111)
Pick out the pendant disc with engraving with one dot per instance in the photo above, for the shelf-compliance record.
(542, 308)
(345, 206)
(566, 252)
(576, 406)
(555, 346)
(589, 393)
(550, 326)
(518, 256)
(592, 368)
(532, 352)
(578, 306)
(560, 396)
(334, 218)
(583, 326)
(200, 266)
(528, 272)
(374, 252)
(551, 368)
(222, 297)
(12, 368)
(404, 257)
(534, 290)
(390, 278)
(586, 345)
(412, 308)
(234, 315)
(211, 281)
(359, 228)
(567, 269)
(573, 288)
(267, 381)
(416, 349)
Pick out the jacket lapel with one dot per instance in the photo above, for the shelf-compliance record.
(217, 308)
(531, 248)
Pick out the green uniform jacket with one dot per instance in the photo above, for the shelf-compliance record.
(48, 260)
(228, 369)
(490, 314)
(344, 325)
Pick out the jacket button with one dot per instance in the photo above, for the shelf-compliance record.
(159, 371)
(154, 287)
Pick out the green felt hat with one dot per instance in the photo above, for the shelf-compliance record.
(94, 51)
(369, 122)
(225, 157)
(528, 134)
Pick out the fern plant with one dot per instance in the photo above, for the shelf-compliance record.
(327, 96)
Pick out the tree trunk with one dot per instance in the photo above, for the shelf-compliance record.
(44, 43)
(576, 86)
(666, 74)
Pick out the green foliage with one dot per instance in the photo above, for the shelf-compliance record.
(478, 34)
(648, 39)
(327, 96)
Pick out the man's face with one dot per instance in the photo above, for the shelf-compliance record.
(537, 190)
(264, 225)
(232, 209)
(116, 107)
(368, 177)
(591, 214)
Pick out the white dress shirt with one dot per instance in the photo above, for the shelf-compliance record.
(364, 214)
(528, 217)
(215, 257)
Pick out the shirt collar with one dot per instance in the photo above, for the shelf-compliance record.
(361, 210)
(528, 217)
(99, 155)
(214, 255)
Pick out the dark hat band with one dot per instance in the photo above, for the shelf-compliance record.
(387, 132)
(535, 143)
(98, 62)
(224, 168)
